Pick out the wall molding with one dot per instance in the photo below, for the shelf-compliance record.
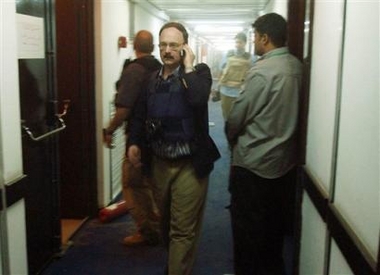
(353, 250)
(357, 256)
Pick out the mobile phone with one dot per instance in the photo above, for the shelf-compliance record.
(182, 53)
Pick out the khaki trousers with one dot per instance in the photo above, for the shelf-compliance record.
(181, 199)
(226, 104)
(138, 192)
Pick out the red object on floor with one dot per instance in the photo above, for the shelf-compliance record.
(112, 211)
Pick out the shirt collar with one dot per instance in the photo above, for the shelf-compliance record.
(174, 74)
(277, 51)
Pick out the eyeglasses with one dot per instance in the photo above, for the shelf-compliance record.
(172, 46)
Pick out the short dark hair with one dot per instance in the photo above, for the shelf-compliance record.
(179, 27)
(241, 36)
(273, 25)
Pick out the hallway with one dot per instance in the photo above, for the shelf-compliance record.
(97, 249)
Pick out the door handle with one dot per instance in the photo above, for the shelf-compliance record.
(61, 127)
(48, 134)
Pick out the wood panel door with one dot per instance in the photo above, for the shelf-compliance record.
(75, 82)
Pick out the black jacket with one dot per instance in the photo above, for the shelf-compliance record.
(197, 91)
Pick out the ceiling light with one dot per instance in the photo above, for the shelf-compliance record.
(214, 22)
(217, 29)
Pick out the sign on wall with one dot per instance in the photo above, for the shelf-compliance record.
(30, 37)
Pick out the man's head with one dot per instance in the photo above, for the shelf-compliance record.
(240, 41)
(143, 42)
(270, 32)
(173, 36)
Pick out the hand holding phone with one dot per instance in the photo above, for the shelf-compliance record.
(187, 56)
(183, 53)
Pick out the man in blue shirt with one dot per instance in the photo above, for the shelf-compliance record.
(171, 126)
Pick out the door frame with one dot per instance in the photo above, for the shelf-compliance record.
(81, 115)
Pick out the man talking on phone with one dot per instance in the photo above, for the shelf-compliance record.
(172, 119)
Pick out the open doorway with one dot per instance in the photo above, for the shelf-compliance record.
(69, 227)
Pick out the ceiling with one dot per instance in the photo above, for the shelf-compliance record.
(217, 21)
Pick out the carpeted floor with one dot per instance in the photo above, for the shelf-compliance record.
(97, 247)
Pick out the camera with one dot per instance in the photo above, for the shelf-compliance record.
(153, 127)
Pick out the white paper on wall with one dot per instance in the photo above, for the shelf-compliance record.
(30, 37)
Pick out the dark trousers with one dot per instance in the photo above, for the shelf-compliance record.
(259, 213)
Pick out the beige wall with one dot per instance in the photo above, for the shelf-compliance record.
(13, 238)
(343, 130)
(114, 19)
(111, 21)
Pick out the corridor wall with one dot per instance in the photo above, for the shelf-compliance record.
(12, 238)
(112, 20)
(342, 155)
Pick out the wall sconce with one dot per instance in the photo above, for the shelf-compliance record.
(122, 42)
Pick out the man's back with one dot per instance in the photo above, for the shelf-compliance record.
(133, 79)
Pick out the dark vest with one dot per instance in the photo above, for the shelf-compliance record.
(170, 118)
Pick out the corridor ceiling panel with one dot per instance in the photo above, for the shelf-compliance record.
(217, 21)
(245, 10)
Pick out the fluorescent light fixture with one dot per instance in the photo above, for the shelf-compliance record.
(217, 29)
(212, 22)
